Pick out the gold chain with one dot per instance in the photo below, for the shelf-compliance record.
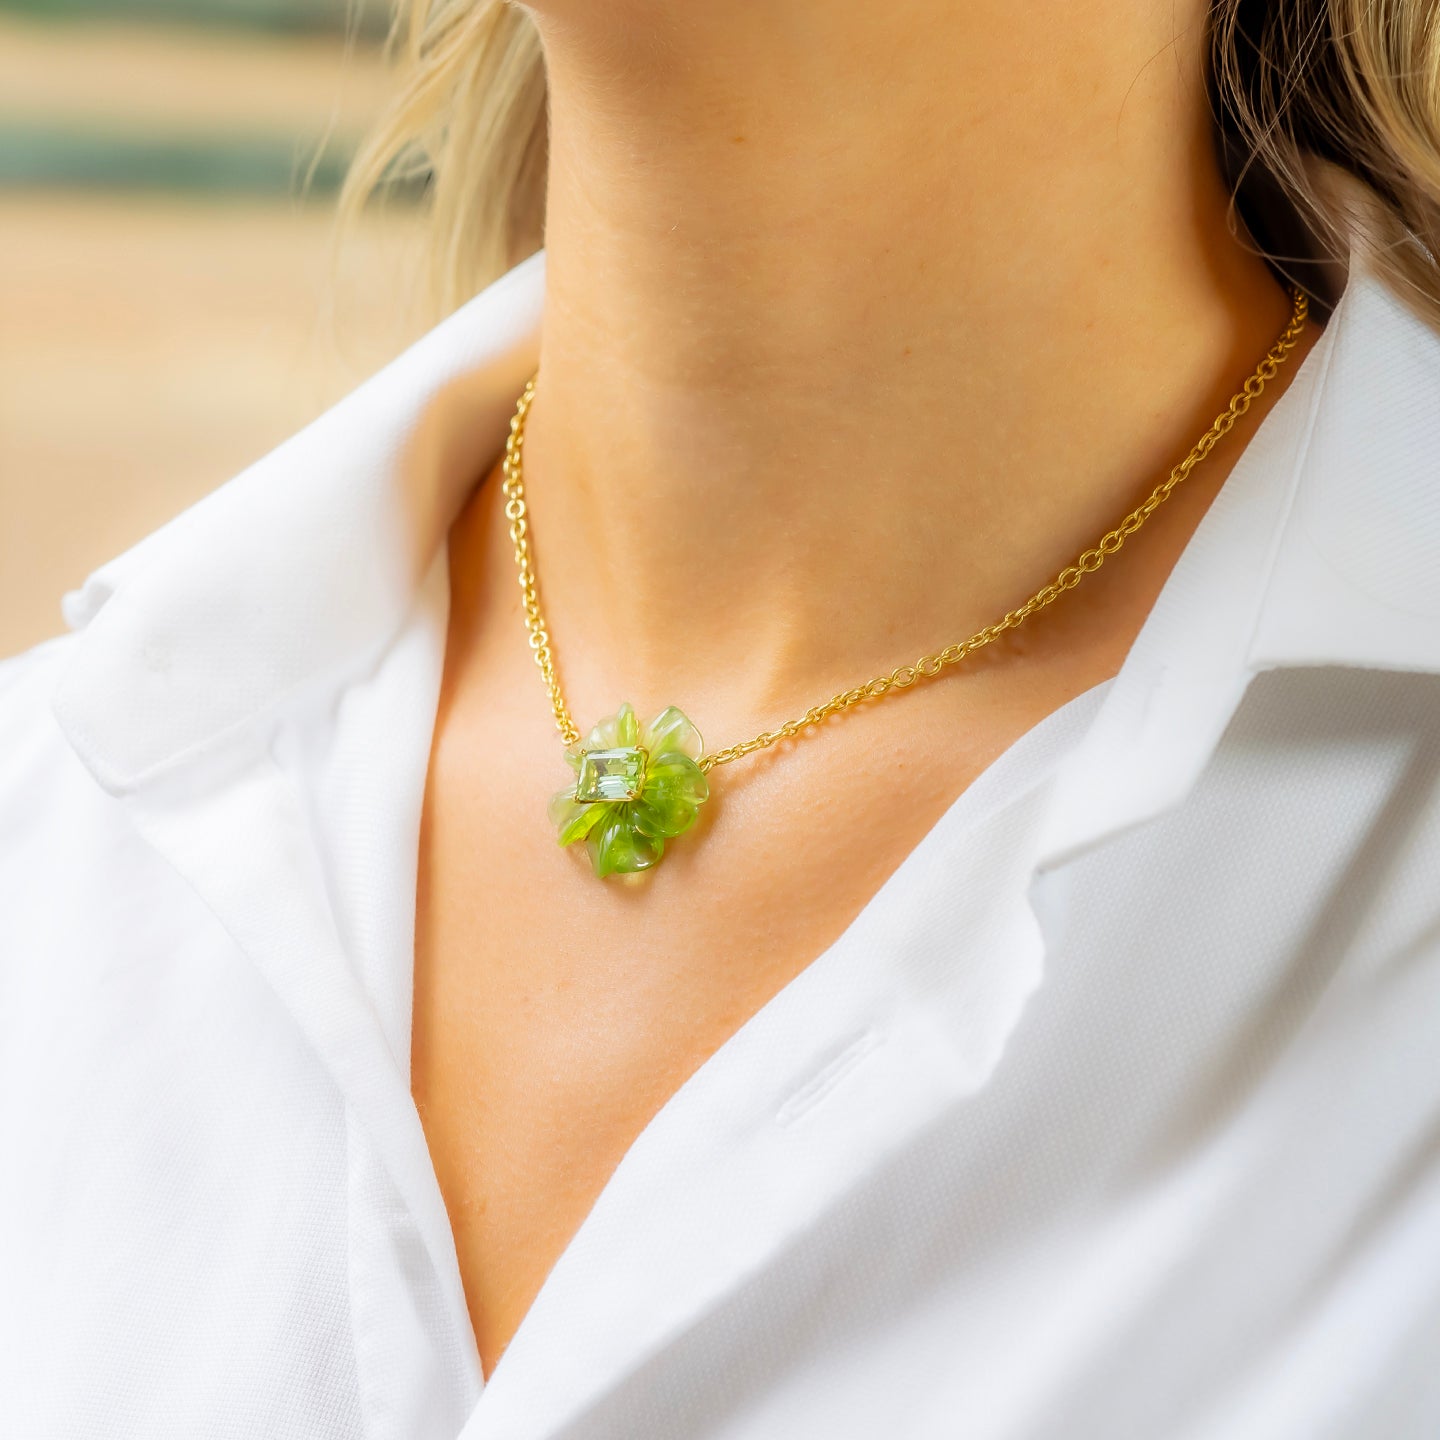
(928, 665)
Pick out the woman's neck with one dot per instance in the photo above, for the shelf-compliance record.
(861, 320)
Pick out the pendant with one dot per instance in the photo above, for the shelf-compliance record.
(636, 786)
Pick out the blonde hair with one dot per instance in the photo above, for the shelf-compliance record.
(469, 124)
(1355, 83)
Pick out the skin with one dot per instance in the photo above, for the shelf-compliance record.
(862, 321)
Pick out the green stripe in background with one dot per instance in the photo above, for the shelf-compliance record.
(55, 157)
(82, 155)
(49, 157)
(363, 18)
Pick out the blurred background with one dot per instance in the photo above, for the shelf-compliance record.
(172, 299)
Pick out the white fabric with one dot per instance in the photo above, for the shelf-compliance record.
(1113, 1116)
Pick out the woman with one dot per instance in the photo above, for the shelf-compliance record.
(1038, 1041)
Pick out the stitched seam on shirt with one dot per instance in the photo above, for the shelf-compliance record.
(819, 1085)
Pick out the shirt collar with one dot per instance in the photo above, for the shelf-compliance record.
(1319, 550)
(305, 565)
(302, 568)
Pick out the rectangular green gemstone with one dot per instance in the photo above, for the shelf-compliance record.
(611, 774)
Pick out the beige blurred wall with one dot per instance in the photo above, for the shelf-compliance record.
(151, 346)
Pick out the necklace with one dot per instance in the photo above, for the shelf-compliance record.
(639, 784)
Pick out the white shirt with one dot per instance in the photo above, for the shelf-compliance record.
(1113, 1116)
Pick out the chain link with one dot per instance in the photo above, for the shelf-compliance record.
(927, 666)
(514, 490)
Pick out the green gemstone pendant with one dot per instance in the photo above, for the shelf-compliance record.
(611, 774)
(636, 786)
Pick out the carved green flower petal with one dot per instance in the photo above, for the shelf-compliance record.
(671, 729)
(603, 736)
(677, 772)
(617, 848)
(571, 819)
(562, 806)
(675, 787)
(663, 814)
(627, 725)
(579, 826)
(614, 731)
